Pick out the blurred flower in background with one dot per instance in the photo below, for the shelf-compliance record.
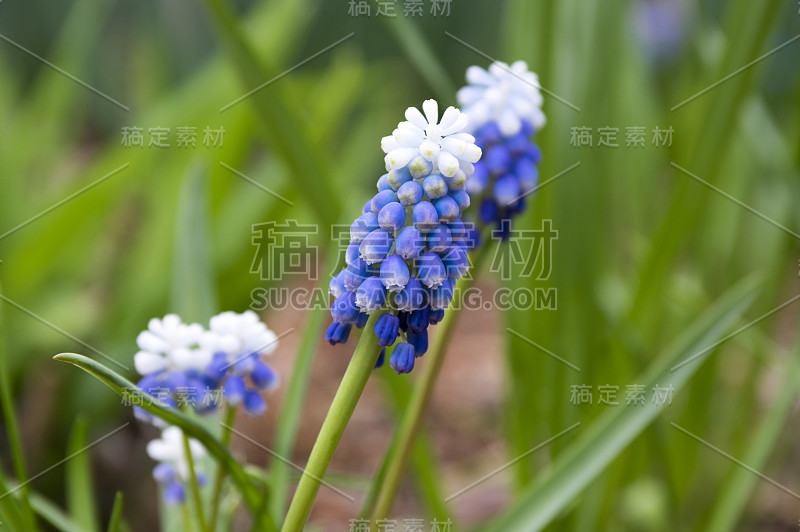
(172, 473)
(503, 105)
(661, 28)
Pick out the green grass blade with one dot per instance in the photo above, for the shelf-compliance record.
(12, 427)
(278, 111)
(736, 492)
(116, 514)
(193, 288)
(54, 515)
(80, 489)
(611, 433)
(128, 391)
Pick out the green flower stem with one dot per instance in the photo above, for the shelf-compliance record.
(344, 402)
(194, 486)
(12, 428)
(396, 460)
(188, 523)
(229, 416)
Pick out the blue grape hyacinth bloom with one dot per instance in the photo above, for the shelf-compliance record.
(172, 471)
(407, 247)
(503, 105)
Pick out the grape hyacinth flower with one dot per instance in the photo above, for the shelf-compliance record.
(171, 362)
(237, 343)
(186, 366)
(406, 248)
(172, 472)
(503, 106)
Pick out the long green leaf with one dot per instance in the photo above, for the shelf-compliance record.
(613, 431)
(193, 289)
(80, 490)
(736, 492)
(116, 514)
(131, 394)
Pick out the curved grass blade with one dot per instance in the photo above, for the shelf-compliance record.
(128, 391)
(80, 491)
(612, 432)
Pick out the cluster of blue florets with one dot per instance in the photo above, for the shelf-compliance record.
(407, 249)
(505, 176)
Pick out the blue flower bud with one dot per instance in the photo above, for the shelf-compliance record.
(419, 166)
(425, 216)
(439, 239)
(263, 376)
(418, 320)
(371, 295)
(381, 359)
(527, 173)
(488, 134)
(381, 199)
(419, 341)
(253, 403)
(409, 243)
(534, 153)
(456, 181)
(436, 316)
(498, 159)
(447, 209)
(457, 229)
(396, 178)
(367, 207)
(392, 217)
(376, 246)
(164, 473)
(431, 269)
(528, 129)
(411, 297)
(394, 273)
(434, 186)
(337, 333)
(517, 144)
(362, 226)
(336, 285)
(456, 262)
(441, 296)
(386, 329)
(175, 381)
(402, 358)
(174, 494)
(354, 274)
(410, 193)
(383, 183)
(488, 211)
(351, 253)
(462, 199)
(506, 190)
(234, 389)
(344, 309)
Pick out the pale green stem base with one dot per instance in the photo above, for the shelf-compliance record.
(344, 402)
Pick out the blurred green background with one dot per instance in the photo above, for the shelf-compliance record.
(649, 237)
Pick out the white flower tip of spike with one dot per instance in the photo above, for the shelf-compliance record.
(504, 94)
(424, 134)
(170, 449)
